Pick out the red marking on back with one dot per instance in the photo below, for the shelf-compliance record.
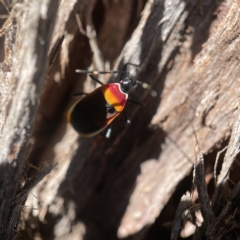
(114, 88)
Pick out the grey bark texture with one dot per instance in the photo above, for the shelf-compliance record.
(56, 185)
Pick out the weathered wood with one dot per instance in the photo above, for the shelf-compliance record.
(107, 189)
(27, 40)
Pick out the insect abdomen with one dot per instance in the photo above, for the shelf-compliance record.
(82, 121)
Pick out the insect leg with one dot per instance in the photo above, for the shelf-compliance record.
(109, 131)
(127, 64)
(132, 64)
(124, 71)
(95, 79)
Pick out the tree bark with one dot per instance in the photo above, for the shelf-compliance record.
(28, 31)
(128, 186)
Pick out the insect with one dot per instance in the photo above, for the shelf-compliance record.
(95, 111)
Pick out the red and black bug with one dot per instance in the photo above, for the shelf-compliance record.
(95, 111)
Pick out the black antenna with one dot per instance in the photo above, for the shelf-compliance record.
(95, 72)
(148, 87)
(122, 76)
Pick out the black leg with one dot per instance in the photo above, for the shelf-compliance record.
(95, 79)
(109, 131)
(124, 71)
(126, 65)
(132, 64)
(127, 118)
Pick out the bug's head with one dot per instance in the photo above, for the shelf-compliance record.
(127, 85)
